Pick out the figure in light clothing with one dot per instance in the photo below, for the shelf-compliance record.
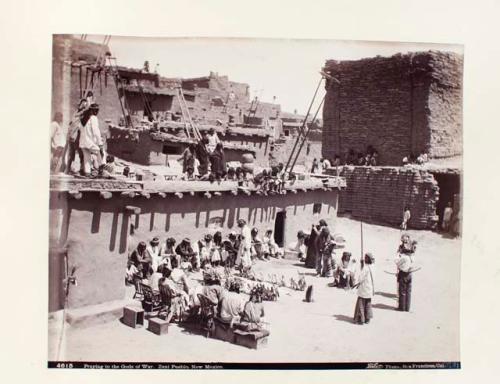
(447, 214)
(406, 218)
(366, 290)
(91, 142)
(57, 142)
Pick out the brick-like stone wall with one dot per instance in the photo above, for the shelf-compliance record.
(401, 104)
(379, 194)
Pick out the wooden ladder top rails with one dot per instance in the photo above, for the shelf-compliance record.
(113, 68)
(305, 129)
(188, 121)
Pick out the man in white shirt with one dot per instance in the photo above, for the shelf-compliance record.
(57, 142)
(91, 141)
(244, 253)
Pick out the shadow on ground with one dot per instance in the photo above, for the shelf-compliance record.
(383, 306)
(344, 318)
(386, 294)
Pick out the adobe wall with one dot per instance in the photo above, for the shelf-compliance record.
(379, 194)
(95, 231)
(283, 148)
(259, 143)
(401, 104)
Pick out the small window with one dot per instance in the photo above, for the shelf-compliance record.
(317, 208)
(287, 132)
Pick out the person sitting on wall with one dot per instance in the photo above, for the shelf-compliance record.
(351, 157)
(277, 181)
(189, 175)
(108, 169)
(374, 159)
(141, 259)
(367, 161)
(261, 182)
(325, 164)
(361, 160)
(231, 173)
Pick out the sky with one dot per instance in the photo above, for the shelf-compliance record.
(285, 68)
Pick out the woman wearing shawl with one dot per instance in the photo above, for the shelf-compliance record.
(218, 162)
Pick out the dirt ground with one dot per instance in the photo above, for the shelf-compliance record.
(321, 331)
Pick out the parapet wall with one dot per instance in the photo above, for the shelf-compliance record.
(379, 194)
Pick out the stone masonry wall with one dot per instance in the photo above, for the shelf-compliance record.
(400, 105)
(379, 194)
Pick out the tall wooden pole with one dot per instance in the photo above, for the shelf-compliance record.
(362, 260)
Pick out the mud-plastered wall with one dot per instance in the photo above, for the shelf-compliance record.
(380, 194)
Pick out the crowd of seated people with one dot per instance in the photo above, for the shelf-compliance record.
(420, 159)
(165, 268)
(369, 158)
(148, 260)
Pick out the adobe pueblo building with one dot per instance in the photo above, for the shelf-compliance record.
(401, 106)
(95, 223)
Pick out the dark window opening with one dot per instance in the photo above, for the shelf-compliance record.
(171, 150)
(287, 132)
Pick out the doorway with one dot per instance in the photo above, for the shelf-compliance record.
(449, 191)
(279, 228)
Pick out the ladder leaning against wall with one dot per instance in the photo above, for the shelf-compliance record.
(186, 115)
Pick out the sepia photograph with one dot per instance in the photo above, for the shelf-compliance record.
(254, 203)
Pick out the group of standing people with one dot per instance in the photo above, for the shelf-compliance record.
(204, 160)
(82, 138)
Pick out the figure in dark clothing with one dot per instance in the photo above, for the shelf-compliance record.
(203, 155)
(218, 162)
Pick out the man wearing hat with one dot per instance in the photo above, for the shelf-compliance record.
(141, 259)
(91, 142)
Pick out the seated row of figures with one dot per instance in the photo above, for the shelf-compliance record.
(181, 298)
(212, 249)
